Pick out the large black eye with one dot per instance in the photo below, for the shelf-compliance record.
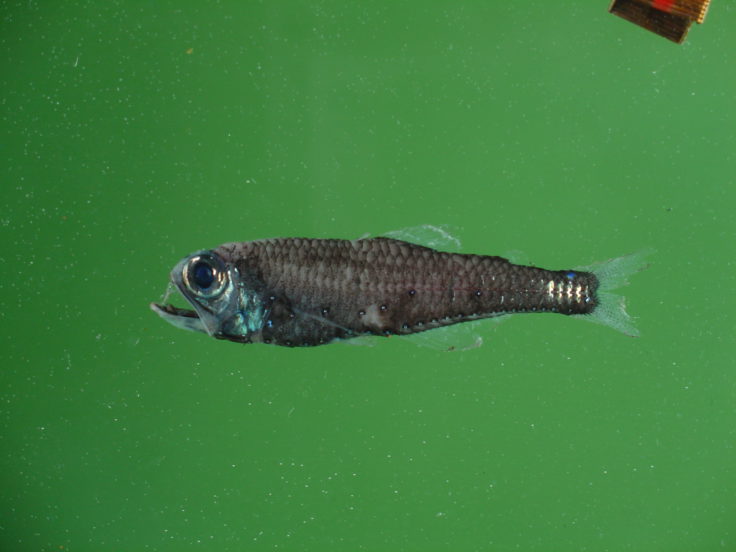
(203, 275)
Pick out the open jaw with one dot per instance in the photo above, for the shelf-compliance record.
(171, 310)
(181, 318)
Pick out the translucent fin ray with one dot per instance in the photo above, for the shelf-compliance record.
(613, 274)
(442, 237)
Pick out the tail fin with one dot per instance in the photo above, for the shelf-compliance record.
(612, 274)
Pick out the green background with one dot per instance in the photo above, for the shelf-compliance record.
(134, 133)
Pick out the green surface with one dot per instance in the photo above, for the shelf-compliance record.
(134, 133)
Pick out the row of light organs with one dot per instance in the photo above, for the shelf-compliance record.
(668, 18)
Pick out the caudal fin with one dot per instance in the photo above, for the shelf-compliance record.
(613, 274)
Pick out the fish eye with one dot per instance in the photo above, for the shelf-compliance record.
(204, 275)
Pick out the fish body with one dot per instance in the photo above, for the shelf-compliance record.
(305, 292)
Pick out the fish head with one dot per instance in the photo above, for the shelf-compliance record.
(225, 306)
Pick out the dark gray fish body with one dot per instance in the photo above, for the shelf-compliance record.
(302, 292)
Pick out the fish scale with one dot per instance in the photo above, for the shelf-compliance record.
(397, 287)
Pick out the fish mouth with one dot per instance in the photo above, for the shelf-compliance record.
(186, 319)
(166, 310)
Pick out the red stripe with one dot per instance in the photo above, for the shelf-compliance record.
(664, 5)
